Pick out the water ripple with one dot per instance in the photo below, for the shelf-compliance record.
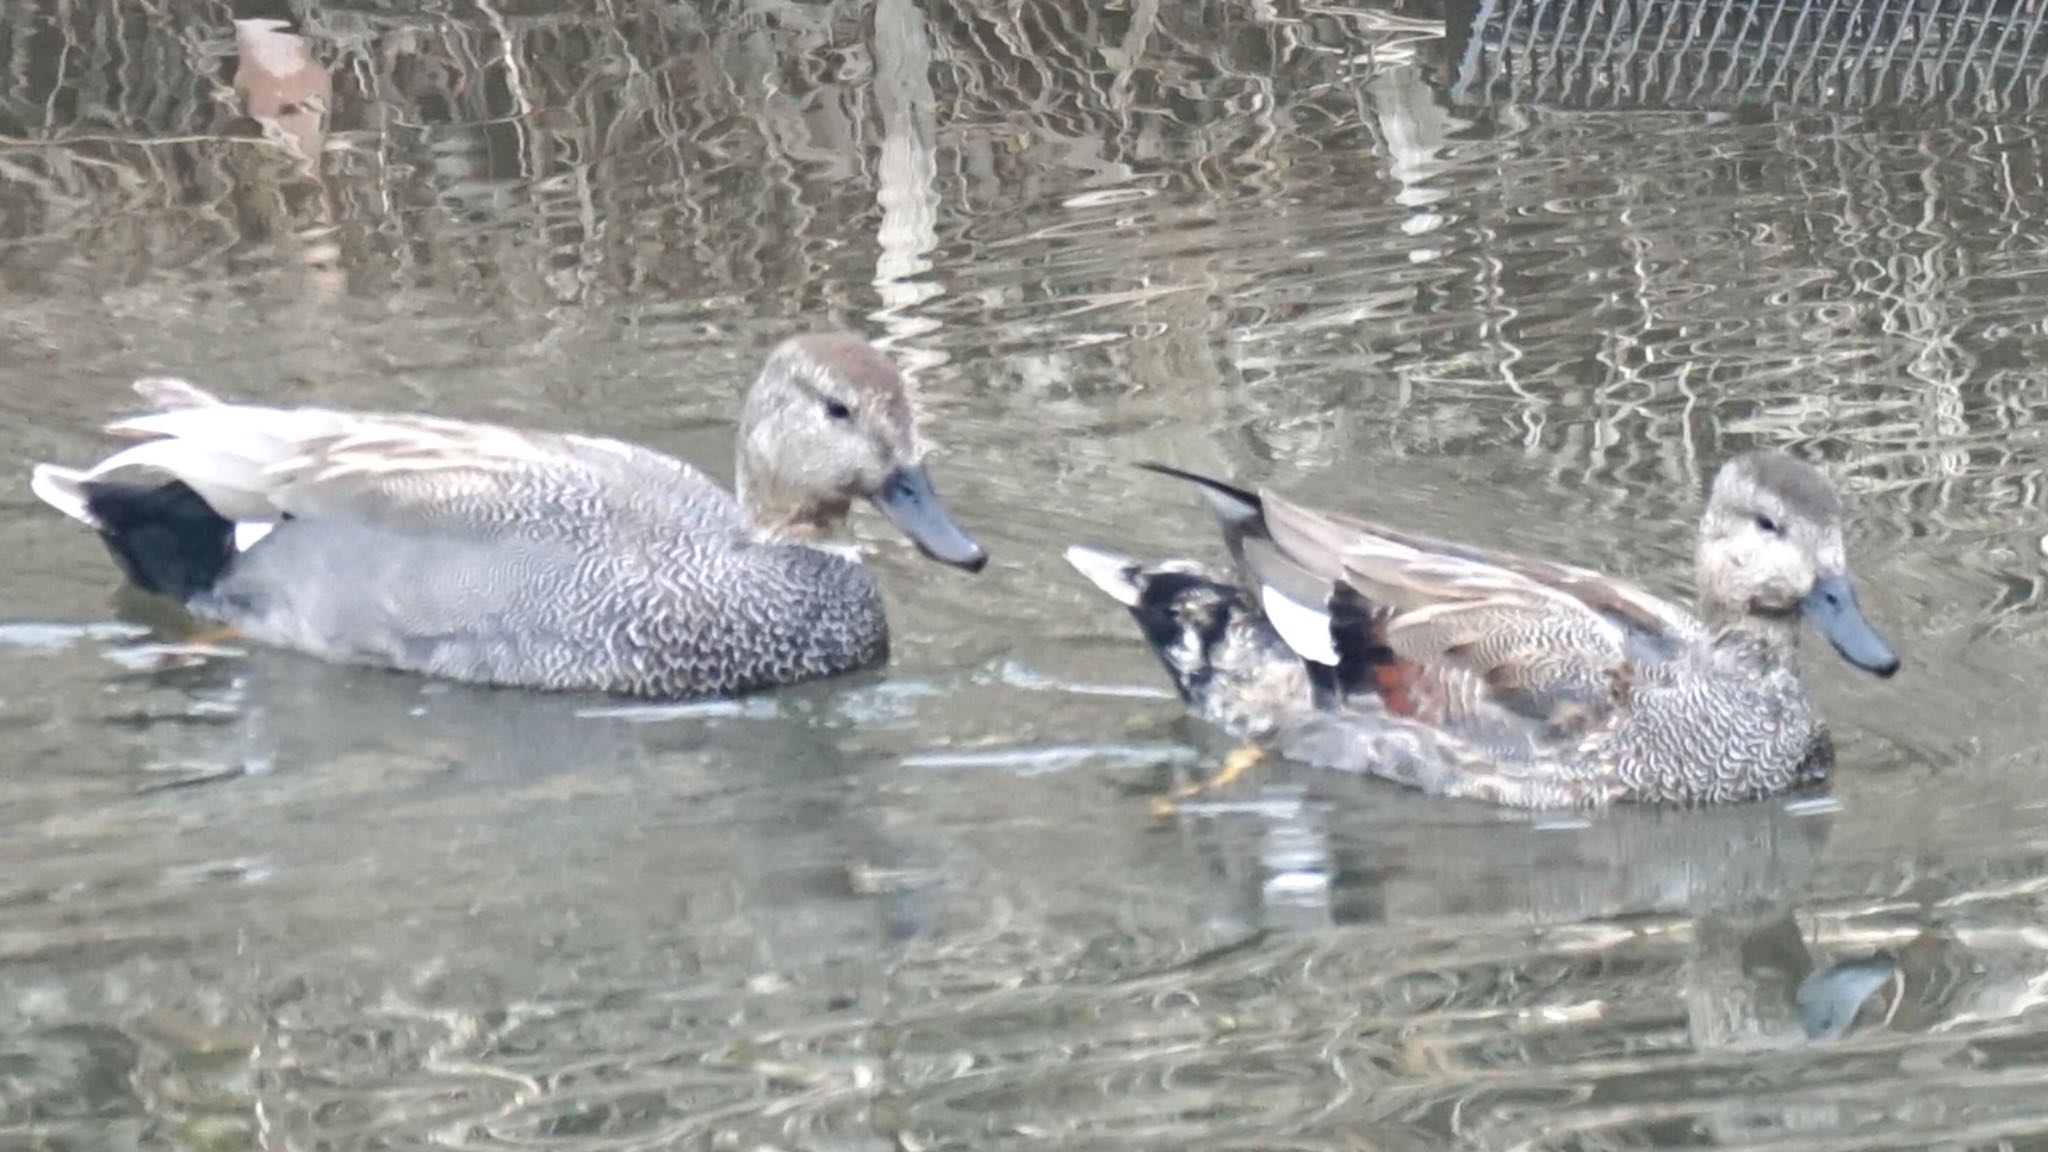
(256, 900)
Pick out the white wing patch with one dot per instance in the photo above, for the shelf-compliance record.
(248, 533)
(1302, 628)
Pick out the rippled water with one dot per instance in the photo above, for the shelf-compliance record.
(251, 900)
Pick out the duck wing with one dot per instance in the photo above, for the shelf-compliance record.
(1429, 565)
(1491, 630)
(1456, 635)
(414, 474)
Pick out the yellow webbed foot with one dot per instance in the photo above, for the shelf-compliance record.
(1240, 760)
(211, 635)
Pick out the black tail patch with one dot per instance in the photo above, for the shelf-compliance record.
(166, 539)
(1365, 663)
(1354, 633)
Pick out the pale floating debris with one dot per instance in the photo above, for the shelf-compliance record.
(1049, 758)
(1812, 806)
(760, 708)
(1011, 674)
(1288, 806)
(889, 701)
(50, 637)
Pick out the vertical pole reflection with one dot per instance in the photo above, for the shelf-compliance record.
(906, 180)
(285, 88)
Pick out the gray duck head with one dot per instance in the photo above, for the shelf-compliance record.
(1770, 551)
(830, 420)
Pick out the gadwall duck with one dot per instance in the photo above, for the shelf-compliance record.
(522, 558)
(1475, 673)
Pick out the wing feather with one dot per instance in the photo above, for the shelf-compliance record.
(255, 464)
(1483, 630)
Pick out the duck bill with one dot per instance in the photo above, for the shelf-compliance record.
(1833, 609)
(907, 499)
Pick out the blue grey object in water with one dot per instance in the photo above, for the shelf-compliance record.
(1830, 999)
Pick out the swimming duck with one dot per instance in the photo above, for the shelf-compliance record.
(1522, 682)
(546, 560)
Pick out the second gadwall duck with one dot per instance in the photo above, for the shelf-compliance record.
(1475, 673)
(548, 560)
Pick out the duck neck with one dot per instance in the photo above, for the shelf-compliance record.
(778, 513)
(1769, 637)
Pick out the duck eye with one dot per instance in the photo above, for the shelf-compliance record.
(836, 410)
(1766, 525)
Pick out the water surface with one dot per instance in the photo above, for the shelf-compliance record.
(247, 899)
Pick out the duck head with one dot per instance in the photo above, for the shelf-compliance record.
(1215, 644)
(1770, 552)
(829, 421)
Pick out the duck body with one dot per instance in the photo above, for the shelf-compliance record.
(1478, 674)
(1715, 724)
(665, 594)
(503, 556)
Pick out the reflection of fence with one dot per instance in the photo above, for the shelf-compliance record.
(1723, 53)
